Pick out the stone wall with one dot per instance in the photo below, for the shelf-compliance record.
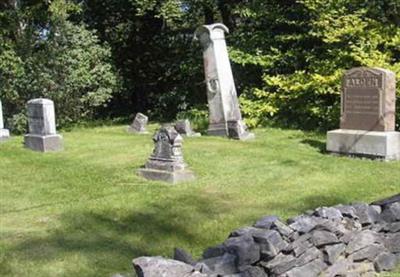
(344, 240)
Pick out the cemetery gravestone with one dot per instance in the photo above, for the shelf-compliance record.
(183, 127)
(4, 133)
(166, 163)
(139, 124)
(225, 118)
(367, 123)
(42, 134)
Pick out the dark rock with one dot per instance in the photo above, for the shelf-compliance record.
(339, 268)
(253, 271)
(321, 238)
(361, 240)
(391, 213)
(333, 226)
(367, 253)
(387, 201)
(329, 213)
(247, 230)
(393, 227)
(181, 255)
(202, 268)
(266, 222)
(301, 245)
(385, 261)
(366, 214)
(214, 251)
(283, 229)
(303, 224)
(222, 265)
(332, 252)
(312, 269)
(271, 243)
(392, 242)
(159, 266)
(347, 211)
(280, 264)
(244, 248)
(351, 225)
(308, 256)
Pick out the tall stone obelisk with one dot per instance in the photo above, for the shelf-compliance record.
(225, 118)
(4, 133)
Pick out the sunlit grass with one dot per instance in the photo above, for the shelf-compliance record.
(85, 212)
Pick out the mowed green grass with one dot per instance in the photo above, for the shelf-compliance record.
(85, 212)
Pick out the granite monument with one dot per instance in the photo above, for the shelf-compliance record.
(367, 122)
(225, 118)
(42, 134)
(166, 163)
(139, 124)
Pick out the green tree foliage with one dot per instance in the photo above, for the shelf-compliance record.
(43, 54)
(301, 49)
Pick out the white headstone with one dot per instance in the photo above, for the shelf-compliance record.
(4, 133)
(225, 118)
(42, 126)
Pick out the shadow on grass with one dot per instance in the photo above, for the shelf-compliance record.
(108, 239)
(317, 144)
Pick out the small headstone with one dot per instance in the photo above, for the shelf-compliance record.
(4, 133)
(368, 112)
(42, 134)
(139, 124)
(166, 163)
(225, 118)
(183, 127)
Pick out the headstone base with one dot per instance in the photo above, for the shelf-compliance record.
(43, 143)
(217, 129)
(132, 130)
(378, 145)
(231, 129)
(4, 134)
(167, 176)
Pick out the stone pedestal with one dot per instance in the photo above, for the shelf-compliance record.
(166, 163)
(42, 134)
(367, 122)
(139, 124)
(4, 133)
(225, 118)
(41, 143)
(381, 145)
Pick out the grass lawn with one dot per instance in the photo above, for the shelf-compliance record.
(85, 212)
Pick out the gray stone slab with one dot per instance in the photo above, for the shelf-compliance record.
(166, 176)
(139, 124)
(41, 117)
(380, 145)
(48, 143)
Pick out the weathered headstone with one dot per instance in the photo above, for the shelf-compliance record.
(367, 123)
(4, 133)
(183, 127)
(42, 134)
(139, 124)
(225, 118)
(166, 163)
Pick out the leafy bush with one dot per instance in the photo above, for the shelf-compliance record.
(58, 60)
